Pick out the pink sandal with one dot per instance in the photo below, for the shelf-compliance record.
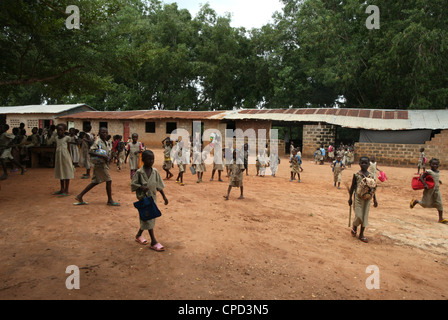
(141, 240)
(158, 247)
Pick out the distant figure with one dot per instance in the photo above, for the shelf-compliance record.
(421, 161)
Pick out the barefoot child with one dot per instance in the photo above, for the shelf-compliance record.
(236, 179)
(63, 165)
(100, 170)
(360, 205)
(432, 198)
(145, 183)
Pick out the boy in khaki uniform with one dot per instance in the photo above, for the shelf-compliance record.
(100, 170)
(236, 178)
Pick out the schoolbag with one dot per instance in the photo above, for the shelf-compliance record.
(366, 188)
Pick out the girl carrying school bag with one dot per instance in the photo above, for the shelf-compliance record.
(147, 209)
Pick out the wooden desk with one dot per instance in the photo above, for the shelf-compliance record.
(41, 155)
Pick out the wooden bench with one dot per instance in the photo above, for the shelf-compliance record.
(39, 154)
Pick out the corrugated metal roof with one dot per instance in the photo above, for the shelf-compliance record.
(55, 108)
(103, 115)
(147, 115)
(370, 119)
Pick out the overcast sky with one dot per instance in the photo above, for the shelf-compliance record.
(245, 13)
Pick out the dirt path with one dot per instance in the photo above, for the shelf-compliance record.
(285, 240)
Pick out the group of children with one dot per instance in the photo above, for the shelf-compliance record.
(98, 153)
(346, 153)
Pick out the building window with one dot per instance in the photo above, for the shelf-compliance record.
(150, 127)
(14, 123)
(103, 124)
(170, 127)
(32, 124)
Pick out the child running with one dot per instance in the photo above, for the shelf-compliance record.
(236, 179)
(361, 206)
(432, 198)
(64, 169)
(145, 183)
(100, 170)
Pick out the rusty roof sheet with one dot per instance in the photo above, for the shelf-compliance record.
(371, 119)
(146, 115)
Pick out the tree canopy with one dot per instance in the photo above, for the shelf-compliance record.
(144, 54)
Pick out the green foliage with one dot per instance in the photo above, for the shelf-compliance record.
(136, 54)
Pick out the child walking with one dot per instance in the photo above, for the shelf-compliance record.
(87, 142)
(134, 150)
(167, 162)
(295, 161)
(236, 179)
(64, 169)
(361, 206)
(121, 152)
(218, 163)
(145, 183)
(337, 167)
(432, 198)
(373, 167)
(421, 161)
(100, 170)
(180, 164)
(6, 141)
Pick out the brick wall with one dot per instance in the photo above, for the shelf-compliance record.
(314, 135)
(405, 154)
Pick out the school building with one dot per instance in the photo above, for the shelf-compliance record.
(394, 137)
(39, 116)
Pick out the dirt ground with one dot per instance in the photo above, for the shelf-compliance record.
(284, 241)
